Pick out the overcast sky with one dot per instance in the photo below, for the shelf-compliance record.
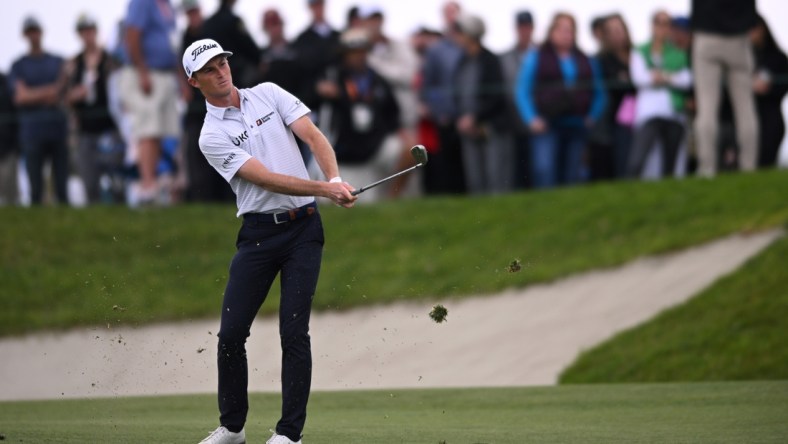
(402, 16)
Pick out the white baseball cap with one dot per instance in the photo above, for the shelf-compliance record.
(369, 11)
(199, 53)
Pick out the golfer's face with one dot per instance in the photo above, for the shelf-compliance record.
(215, 79)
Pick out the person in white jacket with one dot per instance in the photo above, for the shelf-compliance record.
(396, 61)
(661, 73)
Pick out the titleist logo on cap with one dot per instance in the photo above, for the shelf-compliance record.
(201, 49)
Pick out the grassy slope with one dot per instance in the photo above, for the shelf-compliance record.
(752, 412)
(734, 330)
(63, 267)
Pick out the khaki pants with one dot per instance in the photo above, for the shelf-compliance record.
(712, 56)
(154, 115)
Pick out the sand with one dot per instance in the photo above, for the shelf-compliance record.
(515, 338)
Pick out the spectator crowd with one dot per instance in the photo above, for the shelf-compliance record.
(703, 95)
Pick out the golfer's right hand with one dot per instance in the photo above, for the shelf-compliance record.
(339, 193)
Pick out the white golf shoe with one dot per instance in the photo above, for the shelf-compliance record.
(223, 436)
(281, 439)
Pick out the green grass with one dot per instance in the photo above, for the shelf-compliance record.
(734, 330)
(752, 412)
(63, 267)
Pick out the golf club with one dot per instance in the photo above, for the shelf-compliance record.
(419, 154)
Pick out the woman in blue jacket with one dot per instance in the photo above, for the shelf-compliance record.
(559, 95)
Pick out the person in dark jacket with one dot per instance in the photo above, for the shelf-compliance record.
(609, 158)
(770, 86)
(9, 151)
(204, 184)
(560, 95)
(361, 114)
(483, 122)
(100, 149)
(317, 48)
(226, 27)
(279, 60)
(444, 172)
(721, 45)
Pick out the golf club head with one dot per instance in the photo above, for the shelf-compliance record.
(419, 154)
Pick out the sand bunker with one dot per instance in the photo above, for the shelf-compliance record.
(519, 337)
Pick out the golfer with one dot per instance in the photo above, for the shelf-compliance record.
(248, 138)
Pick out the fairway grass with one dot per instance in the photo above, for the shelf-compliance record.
(739, 412)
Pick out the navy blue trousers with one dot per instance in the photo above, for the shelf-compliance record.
(293, 250)
(36, 151)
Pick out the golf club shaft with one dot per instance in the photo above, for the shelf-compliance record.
(374, 184)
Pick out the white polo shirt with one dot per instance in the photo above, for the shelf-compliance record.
(260, 129)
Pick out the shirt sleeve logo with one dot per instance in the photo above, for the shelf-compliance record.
(227, 160)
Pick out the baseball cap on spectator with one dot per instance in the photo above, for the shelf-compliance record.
(199, 53)
(681, 22)
(272, 17)
(85, 21)
(188, 5)
(524, 18)
(369, 11)
(30, 24)
(355, 38)
(470, 25)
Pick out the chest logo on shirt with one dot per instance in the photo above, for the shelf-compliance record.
(264, 119)
(241, 138)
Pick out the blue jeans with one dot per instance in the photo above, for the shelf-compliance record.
(293, 250)
(557, 156)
